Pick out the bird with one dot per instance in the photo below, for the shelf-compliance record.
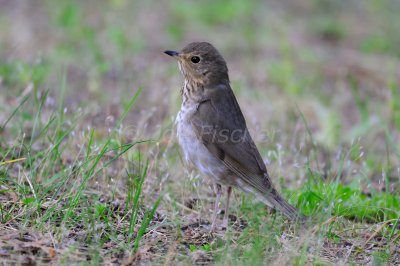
(213, 134)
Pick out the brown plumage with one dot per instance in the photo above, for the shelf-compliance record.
(213, 133)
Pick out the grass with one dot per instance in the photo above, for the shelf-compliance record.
(90, 171)
(53, 192)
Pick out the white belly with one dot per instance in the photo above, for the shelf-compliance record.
(194, 150)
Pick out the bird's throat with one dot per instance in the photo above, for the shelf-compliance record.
(192, 91)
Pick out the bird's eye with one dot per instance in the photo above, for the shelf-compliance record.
(195, 59)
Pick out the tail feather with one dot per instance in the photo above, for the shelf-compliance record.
(273, 199)
(282, 205)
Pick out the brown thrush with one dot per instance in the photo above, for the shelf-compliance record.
(213, 134)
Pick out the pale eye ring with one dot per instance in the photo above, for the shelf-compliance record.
(195, 59)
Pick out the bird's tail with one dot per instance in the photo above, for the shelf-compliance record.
(277, 202)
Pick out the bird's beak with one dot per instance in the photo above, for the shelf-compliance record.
(172, 53)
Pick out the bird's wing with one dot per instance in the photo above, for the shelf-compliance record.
(220, 124)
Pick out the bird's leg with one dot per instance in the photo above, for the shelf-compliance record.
(218, 191)
(226, 216)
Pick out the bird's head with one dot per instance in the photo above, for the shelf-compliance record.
(200, 62)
